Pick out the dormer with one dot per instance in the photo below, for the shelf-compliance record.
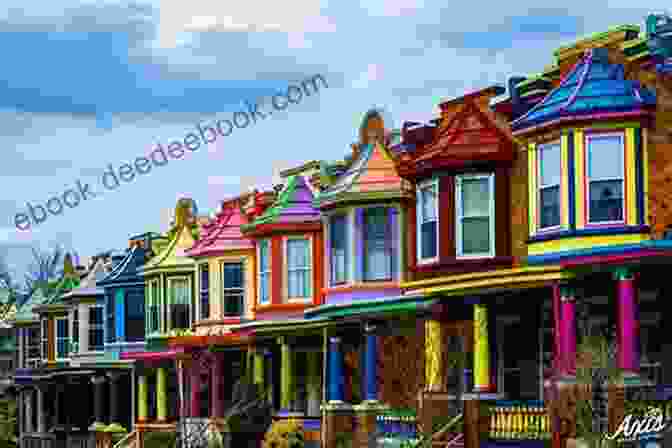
(225, 279)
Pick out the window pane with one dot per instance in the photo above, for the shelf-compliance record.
(475, 235)
(428, 198)
(377, 257)
(550, 207)
(428, 239)
(233, 304)
(338, 240)
(233, 275)
(475, 197)
(233, 289)
(549, 165)
(298, 268)
(606, 201)
(605, 157)
(264, 292)
(263, 255)
(180, 292)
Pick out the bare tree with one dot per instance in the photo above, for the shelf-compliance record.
(43, 269)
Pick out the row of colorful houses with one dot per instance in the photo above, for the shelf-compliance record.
(442, 269)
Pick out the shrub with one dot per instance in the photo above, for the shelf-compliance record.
(284, 434)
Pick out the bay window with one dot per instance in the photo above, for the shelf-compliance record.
(134, 329)
(32, 345)
(549, 185)
(179, 303)
(153, 323)
(62, 338)
(75, 329)
(233, 289)
(377, 244)
(605, 177)
(264, 272)
(110, 306)
(204, 276)
(338, 242)
(44, 325)
(475, 215)
(298, 268)
(96, 328)
(427, 198)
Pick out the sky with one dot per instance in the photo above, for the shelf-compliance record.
(85, 84)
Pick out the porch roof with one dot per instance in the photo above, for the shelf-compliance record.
(404, 303)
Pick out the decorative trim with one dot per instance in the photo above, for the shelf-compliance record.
(615, 230)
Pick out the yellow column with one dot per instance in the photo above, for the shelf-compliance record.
(258, 358)
(481, 349)
(142, 398)
(161, 399)
(433, 356)
(286, 376)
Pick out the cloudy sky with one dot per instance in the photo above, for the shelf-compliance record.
(87, 83)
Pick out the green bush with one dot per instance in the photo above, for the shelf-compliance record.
(159, 439)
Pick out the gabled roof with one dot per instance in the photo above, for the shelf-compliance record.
(26, 313)
(173, 256)
(294, 204)
(594, 88)
(88, 286)
(372, 175)
(126, 271)
(223, 232)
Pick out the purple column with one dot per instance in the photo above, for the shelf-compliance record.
(628, 323)
(557, 346)
(216, 383)
(568, 331)
(195, 390)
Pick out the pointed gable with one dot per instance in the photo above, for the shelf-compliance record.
(593, 89)
(126, 271)
(88, 286)
(294, 204)
(372, 174)
(174, 256)
(223, 232)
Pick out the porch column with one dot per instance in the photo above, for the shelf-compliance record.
(557, 317)
(314, 381)
(195, 389)
(628, 323)
(41, 421)
(28, 398)
(115, 391)
(98, 397)
(568, 331)
(286, 391)
(258, 376)
(217, 370)
(434, 380)
(481, 349)
(370, 367)
(142, 398)
(161, 399)
(336, 380)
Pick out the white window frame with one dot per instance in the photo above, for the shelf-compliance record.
(101, 325)
(56, 338)
(268, 272)
(540, 187)
(285, 273)
(588, 137)
(30, 362)
(224, 290)
(74, 346)
(44, 338)
(418, 215)
(169, 300)
(348, 249)
(199, 280)
(458, 214)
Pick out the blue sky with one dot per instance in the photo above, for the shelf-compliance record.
(84, 84)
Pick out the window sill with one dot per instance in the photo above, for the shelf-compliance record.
(593, 230)
(463, 263)
(292, 306)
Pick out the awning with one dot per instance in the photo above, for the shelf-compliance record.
(152, 356)
(388, 305)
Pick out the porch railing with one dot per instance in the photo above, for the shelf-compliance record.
(38, 441)
(399, 425)
(512, 420)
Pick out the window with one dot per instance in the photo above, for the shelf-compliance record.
(32, 345)
(110, 306)
(298, 268)
(428, 221)
(338, 239)
(475, 215)
(45, 338)
(549, 185)
(605, 177)
(205, 290)
(96, 329)
(377, 244)
(153, 305)
(233, 291)
(179, 303)
(135, 316)
(75, 329)
(62, 338)
(264, 272)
